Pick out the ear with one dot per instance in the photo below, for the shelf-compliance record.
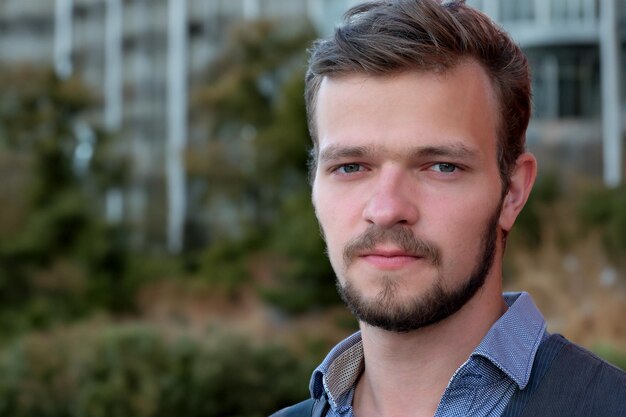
(520, 184)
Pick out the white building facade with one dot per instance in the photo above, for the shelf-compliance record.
(144, 56)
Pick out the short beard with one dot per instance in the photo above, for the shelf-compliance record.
(435, 305)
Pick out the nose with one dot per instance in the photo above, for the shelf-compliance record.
(392, 200)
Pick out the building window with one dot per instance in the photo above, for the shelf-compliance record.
(566, 82)
(515, 11)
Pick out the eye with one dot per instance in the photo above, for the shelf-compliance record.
(444, 167)
(349, 168)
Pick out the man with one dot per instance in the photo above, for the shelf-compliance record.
(418, 112)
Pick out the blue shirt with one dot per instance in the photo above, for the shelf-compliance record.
(481, 387)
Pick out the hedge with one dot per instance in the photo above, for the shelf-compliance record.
(141, 371)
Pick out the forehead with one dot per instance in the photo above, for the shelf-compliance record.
(409, 109)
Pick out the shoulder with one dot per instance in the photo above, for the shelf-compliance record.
(586, 365)
(581, 359)
(582, 380)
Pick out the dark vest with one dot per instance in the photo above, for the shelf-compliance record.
(566, 381)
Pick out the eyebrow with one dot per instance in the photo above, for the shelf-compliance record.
(455, 151)
(334, 152)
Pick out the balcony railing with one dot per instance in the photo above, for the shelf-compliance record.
(546, 22)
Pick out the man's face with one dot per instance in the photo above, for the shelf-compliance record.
(407, 191)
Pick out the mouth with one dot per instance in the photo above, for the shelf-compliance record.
(389, 259)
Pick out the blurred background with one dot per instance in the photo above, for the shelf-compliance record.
(158, 251)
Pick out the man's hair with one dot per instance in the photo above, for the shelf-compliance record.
(388, 37)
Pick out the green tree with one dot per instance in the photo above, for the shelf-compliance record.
(58, 258)
(604, 209)
(256, 146)
(255, 159)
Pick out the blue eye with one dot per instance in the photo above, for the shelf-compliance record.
(349, 168)
(444, 167)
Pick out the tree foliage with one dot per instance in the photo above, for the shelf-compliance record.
(604, 209)
(256, 161)
(253, 115)
(58, 258)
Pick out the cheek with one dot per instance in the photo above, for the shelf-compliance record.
(338, 218)
(325, 217)
(458, 230)
(333, 238)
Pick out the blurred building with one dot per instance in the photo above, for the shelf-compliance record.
(143, 56)
(576, 49)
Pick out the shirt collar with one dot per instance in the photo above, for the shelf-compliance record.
(338, 373)
(510, 344)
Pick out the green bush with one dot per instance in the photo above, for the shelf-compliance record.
(306, 278)
(612, 355)
(224, 265)
(594, 208)
(604, 209)
(616, 227)
(138, 371)
(548, 188)
(529, 225)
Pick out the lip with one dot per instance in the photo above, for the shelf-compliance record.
(389, 259)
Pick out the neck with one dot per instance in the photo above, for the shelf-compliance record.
(407, 373)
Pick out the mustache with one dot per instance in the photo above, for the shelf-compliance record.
(400, 236)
